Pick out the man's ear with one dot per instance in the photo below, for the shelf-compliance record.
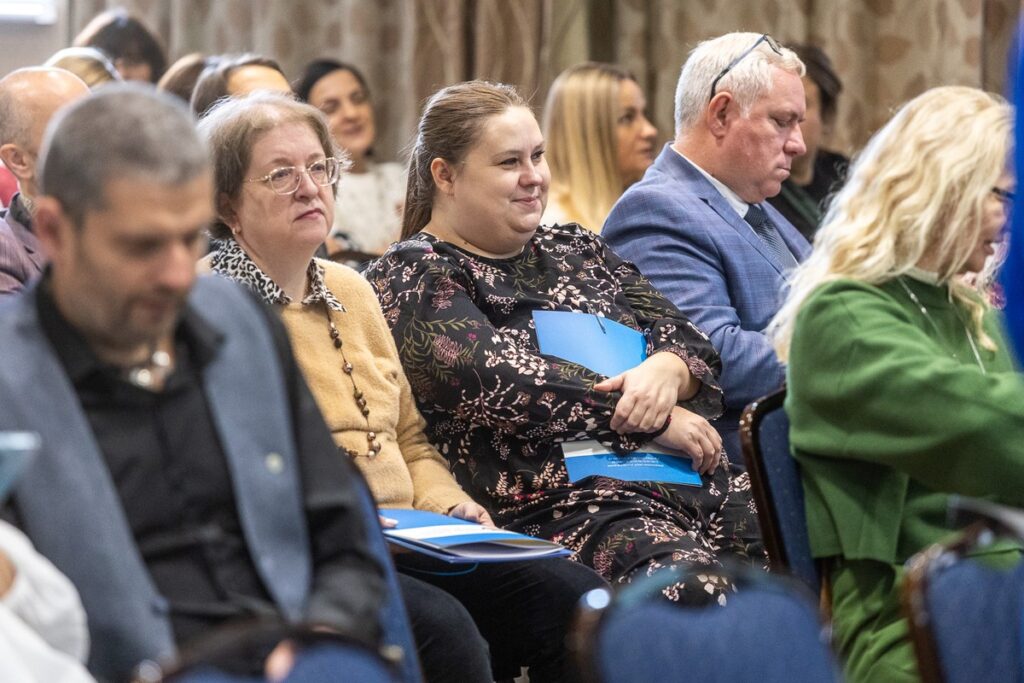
(444, 176)
(52, 226)
(719, 112)
(18, 161)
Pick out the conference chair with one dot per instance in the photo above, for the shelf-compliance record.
(777, 490)
(768, 631)
(964, 616)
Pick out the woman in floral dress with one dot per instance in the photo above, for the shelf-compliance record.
(459, 292)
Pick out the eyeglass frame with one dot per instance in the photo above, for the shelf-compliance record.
(338, 165)
(1007, 196)
(765, 38)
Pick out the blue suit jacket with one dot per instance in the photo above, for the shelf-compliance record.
(686, 238)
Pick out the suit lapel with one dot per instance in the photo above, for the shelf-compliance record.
(683, 171)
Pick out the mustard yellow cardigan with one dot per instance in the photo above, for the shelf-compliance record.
(408, 472)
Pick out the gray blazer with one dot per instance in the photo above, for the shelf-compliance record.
(70, 508)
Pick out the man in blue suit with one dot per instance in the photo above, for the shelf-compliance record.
(697, 224)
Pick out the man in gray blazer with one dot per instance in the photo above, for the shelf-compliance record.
(697, 224)
(28, 100)
(186, 478)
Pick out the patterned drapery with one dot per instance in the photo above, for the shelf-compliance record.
(886, 51)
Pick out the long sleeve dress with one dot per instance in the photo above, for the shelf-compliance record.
(891, 411)
(498, 409)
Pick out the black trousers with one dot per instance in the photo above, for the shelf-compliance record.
(518, 611)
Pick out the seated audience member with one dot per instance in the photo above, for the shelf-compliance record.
(818, 172)
(88, 63)
(276, 170)
(697, 224)
(181, 77)
(459, 292)
(135, 51)
(599, 142)
(369, 207)
(173, 499)
(43, 634)
(236, 76)
(901, 386)
(28, 100)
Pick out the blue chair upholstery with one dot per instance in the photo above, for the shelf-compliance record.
(776, 487)
(965, 617)
(768, 632)
(321, 664)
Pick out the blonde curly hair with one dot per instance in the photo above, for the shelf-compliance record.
(918, 189)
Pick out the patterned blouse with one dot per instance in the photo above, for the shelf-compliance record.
(495, 406)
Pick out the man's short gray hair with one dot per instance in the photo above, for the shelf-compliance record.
(121, 131)
(748, 80)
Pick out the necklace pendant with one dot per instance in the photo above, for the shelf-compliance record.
(347, 367)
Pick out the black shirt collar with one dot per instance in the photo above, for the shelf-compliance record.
(193, 333)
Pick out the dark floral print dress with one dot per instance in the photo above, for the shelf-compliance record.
(498, 409)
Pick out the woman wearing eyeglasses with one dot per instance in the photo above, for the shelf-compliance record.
(275, 172)
(901, 387)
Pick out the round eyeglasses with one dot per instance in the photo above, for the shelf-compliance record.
(286, 179)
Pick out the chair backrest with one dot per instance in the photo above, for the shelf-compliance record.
(769, 632)
(965, 618)
(778, 492)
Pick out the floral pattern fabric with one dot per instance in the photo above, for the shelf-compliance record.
(498, 409)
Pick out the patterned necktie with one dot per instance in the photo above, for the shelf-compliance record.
(769, 234)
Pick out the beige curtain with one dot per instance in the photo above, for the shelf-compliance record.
(886, 51)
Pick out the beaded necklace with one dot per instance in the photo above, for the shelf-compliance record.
(373, 446)
(928, 317)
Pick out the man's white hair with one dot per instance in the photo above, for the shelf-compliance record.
(748, 80)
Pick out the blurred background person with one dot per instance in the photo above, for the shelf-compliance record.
(598, 142)
(901, 387)
(29, 98)
(88, 63)
(134, 50)
(367, 215)
(232, 76)
(181, 77)
(43, 630)
(817, 173)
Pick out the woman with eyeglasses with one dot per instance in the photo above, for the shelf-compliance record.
(276, 169)
(901, 389)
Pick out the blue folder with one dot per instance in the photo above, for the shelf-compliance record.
(608, 348)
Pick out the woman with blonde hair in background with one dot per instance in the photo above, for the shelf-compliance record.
(599, 142)
(901, 390)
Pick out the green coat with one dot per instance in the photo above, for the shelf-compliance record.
(890, 413)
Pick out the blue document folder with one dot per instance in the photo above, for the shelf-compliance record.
(596, 343)
(608, 348)
(457, 540)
